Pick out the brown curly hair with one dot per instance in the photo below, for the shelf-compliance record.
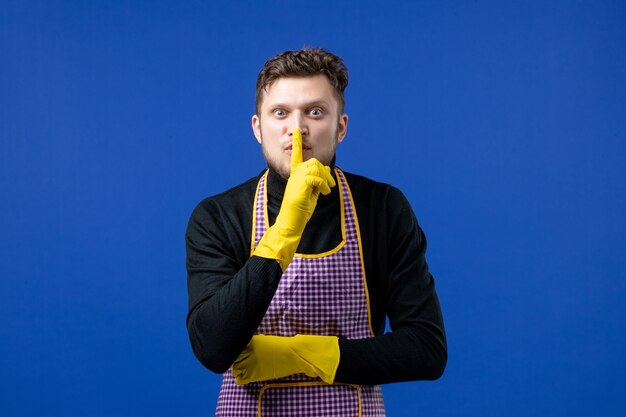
(304, 63)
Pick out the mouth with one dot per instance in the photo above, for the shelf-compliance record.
(304, 148)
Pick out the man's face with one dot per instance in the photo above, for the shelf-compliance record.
(307, 103)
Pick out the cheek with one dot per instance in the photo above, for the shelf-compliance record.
(323, 132)
(270, 130)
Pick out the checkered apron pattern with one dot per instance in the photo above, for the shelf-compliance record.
(322, 294)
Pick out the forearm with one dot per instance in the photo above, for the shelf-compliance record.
(408, 354)
(221, 324)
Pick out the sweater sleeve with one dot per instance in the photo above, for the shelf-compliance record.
(415, 349)
(228, 293)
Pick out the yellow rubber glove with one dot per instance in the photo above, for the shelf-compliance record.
(306, 181)
(272, 357)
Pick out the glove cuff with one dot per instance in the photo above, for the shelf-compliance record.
(278, 244)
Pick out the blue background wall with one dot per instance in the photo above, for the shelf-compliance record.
(503, 123)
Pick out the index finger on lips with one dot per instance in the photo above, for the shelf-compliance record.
(296, 149)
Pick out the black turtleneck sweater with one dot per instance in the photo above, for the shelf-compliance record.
(229, 290)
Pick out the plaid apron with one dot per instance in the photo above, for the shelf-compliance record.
(321, 294)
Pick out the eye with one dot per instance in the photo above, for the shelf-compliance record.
(315, 112)
(280, 112)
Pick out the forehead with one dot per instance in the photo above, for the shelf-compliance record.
(299, 90)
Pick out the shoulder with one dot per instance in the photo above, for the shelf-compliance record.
(382, 206)
(232, 202)
(233, 196)
(371, 192)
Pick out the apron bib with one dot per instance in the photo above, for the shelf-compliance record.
(318, 294)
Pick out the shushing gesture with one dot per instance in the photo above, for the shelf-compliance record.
(306, 181)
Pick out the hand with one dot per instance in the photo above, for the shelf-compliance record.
(272, 357)
(306, 181)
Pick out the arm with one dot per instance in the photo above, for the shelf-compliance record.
(228, 295)
(415, 349)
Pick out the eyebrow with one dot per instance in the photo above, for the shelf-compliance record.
(315, 102)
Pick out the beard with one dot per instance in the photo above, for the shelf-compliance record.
(276, 163)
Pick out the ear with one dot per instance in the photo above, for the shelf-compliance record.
(342, 127)
(256, 127)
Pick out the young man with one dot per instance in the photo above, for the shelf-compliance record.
(292, 274)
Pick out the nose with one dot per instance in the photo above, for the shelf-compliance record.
(298, 122)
